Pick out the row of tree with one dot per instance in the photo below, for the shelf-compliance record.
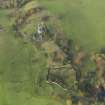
(12, 3)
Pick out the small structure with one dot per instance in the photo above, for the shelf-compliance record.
(40, 33)
(41, 28)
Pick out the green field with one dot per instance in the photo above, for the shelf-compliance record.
(17, 72)
(82, 20)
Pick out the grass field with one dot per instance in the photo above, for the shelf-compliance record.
(17, 72)
(82, 20)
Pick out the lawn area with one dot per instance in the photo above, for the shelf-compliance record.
(82, 20)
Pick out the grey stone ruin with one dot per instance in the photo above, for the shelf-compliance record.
(40, 32)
